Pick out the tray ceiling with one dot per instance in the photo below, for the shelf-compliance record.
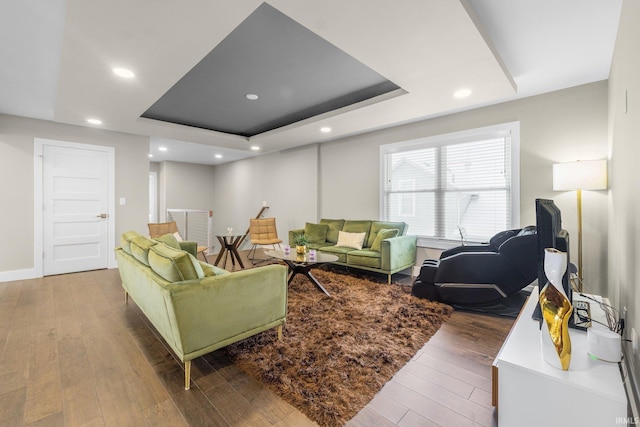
(56, 62)
(292, 73)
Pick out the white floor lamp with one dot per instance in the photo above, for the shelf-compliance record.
(580, 175)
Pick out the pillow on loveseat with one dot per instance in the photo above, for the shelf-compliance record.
(174, 265)
(379, 225)
(350, 240)
(385, 233)
(316, 233)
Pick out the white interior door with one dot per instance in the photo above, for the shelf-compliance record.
(75, 209)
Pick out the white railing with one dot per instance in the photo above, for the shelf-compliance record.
(194, 225)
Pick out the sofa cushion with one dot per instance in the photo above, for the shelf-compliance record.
(366, 258)
(376, 226)
(334, 225)
(140, 246)
(170, 240)
(319, 245)
(125, 240)
(174, 265)
(351, 240)
(358, 227)
(316, 233)
(339, 251)
(385, 233)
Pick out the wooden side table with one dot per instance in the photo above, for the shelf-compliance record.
(229, 247)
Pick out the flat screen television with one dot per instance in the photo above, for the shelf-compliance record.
(551, 235)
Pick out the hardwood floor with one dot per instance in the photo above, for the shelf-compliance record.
(73, 354)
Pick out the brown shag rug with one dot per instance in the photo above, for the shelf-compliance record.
(339, 351)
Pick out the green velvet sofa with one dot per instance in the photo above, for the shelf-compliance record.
(384, 248)
(197, 307)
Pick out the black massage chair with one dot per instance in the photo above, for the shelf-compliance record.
(469, 275)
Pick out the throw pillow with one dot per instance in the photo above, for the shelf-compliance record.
(174, 265)
(316, 233)
(350, 240)
(170, 240)
(385, 233)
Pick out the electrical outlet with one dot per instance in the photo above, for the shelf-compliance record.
(582, 314)
(634, 340)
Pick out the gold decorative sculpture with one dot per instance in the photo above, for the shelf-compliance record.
(556, 312)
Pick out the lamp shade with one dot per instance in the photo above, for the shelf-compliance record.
(580, 175)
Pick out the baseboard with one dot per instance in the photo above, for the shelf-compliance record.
(10, 276)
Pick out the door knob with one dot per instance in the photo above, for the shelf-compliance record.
(102, 216)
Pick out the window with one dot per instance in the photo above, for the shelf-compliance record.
(443, 186)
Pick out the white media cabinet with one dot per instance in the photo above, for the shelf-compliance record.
(530, 392)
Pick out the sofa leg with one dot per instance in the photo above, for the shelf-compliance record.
(389, 279)
(187, 374)
(279, 332)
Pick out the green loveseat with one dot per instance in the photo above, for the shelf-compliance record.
(197, 307)
(386, 247)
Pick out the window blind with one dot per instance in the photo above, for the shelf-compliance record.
(443, 185)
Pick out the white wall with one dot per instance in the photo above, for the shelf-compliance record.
(183, 186)
(349, 178)
(624, 207)
(16, 178)
(286, 181)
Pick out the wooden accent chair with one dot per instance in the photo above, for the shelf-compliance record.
(262, 231)
(161, 228)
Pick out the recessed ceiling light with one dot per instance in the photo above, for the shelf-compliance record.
(94, 121)
(462, 93)
(218, 156)
(255, 147)
(251, 96)
(150, 155)
(325, 129)
(162, 148)
(124, 73)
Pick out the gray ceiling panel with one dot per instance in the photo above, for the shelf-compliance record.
(295, 73)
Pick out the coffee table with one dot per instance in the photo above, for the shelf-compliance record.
(301, 264)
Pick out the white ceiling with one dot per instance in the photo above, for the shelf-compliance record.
(56, 59)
